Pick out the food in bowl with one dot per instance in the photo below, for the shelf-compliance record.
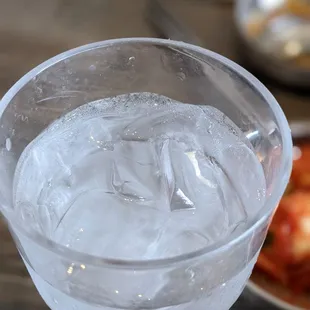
(285, 256)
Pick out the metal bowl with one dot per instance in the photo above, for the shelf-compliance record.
(274, 293)
(276, 38)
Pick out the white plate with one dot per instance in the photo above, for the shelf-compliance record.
(259, 291)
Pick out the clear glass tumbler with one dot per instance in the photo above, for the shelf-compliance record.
(211, 278)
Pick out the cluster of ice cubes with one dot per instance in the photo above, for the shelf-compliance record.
(139, 176)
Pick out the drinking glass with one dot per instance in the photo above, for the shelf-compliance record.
(212, 277)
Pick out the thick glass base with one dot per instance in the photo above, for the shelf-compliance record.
(221, 298)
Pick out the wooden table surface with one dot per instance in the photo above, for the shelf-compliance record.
(33, 30)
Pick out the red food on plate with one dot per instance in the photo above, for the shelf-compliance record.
(285, 255)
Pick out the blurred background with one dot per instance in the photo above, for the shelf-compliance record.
(270, 38)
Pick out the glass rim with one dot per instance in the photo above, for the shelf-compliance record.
(280, 183)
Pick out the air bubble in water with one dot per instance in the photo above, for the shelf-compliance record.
(8, 144)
